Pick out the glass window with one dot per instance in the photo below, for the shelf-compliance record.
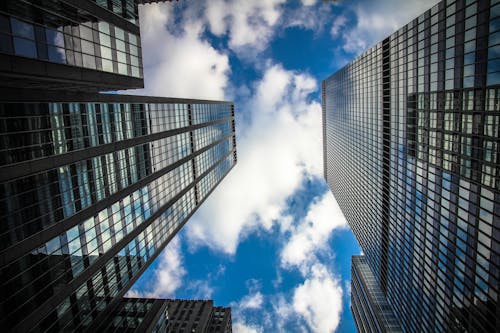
(86, 33)
(122, 68)
(56, 54)
(493, 78)
(105, 40)
(494, 52)
(87, 47)
(88, 61)
(120, 45)
(133, 50)
(54, 37)
(106, 52)
(132, 39)
(119, 33)
(24, 47)
(121, 57)
(104, 27)
(107, 65)
(23, 29)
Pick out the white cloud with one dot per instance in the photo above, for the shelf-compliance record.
(319, 300)
(278, 148)
(315, 305)
(338, 24)
(308, 2)
(180, 64)
(240, 327)
(167, 276)
(374, 23)
(248, 24)
(200, 289)
(252, 301)
(313, 232)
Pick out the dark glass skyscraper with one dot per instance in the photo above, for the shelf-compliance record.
(92, 186)
(70, 44)
(411, 153)
(91, 192)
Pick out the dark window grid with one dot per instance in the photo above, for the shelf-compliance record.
(125, 176)
(186, 203)
(62, 51)
(170, 193)
(127, 10)
(101, 128)
(59, 197)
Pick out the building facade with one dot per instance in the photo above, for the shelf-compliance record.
(93, 190)
(411, 153)
(93, 186)
(200, 316)
(136, 315)
(70, 44)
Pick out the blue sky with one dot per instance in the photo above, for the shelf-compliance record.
(270, 241)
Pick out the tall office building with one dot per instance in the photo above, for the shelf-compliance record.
(149, 315)
(137, 315)
(70, 44)
(91, 192)
(200, 316)
(93, 186)
(411, 153)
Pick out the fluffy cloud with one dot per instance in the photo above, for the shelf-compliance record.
(315, 305)
(313, 232)
(180, 64)
(318, 300)
(167, 276)
(253, 301)
(249, 24)
(373, 23)
(338, 24)
(240, 327)
(278, 147)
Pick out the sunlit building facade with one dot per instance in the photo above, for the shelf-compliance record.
(411, 153)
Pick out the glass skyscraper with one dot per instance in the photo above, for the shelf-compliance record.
(93, 189)
(148, 315)
(70, 44)
(411, 153)
(92, 186)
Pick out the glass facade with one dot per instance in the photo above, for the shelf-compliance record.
(75, 33)
(140, 315)
(412, 146)
(91, 192)
(369, 305)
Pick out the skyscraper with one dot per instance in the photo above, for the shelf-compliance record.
(149, 315)
(198, 316)
(93, 186)
(93, 189)
(70, 44)
(411, 153)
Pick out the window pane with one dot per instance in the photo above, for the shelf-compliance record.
(88, 61)
(24, 47)
(22, 29)
(54, 37)
(57, 54)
